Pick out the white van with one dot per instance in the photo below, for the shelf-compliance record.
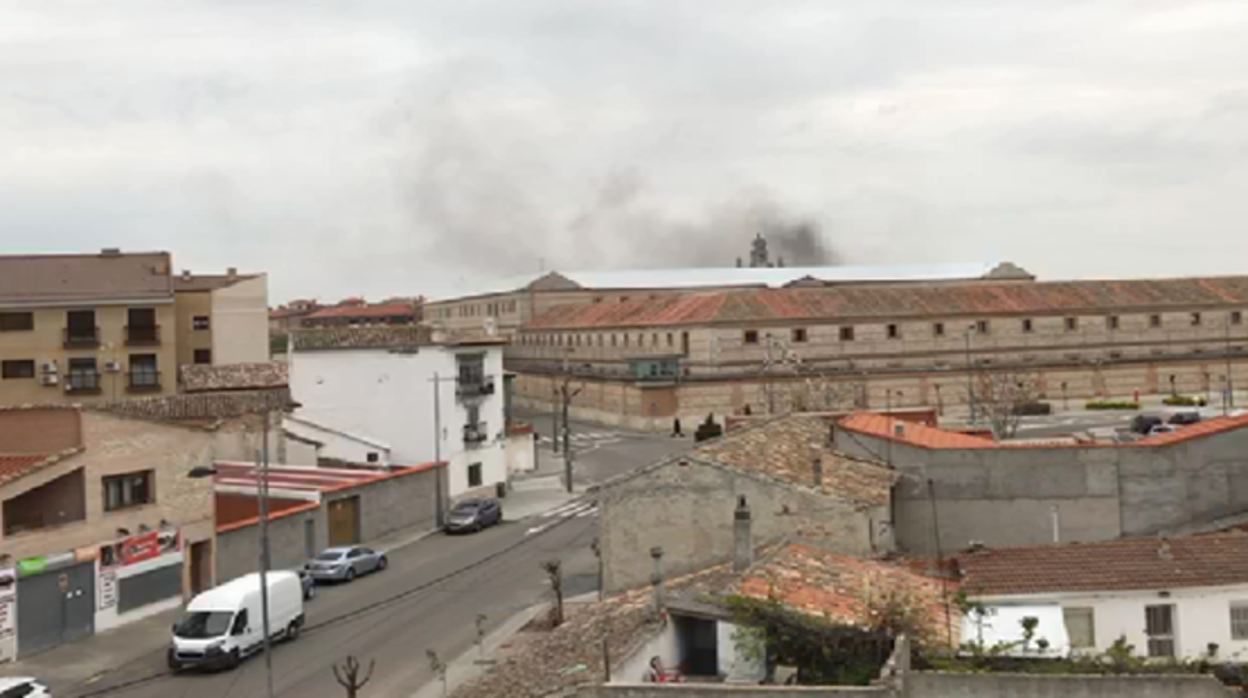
(223, 625)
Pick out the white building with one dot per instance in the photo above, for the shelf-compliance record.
(416, 400)
(1168, 598)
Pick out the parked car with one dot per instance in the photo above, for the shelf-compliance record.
(24, 687)
(309, 586)
(1144, 423)
(1185, 418)
(224, 625)
(474, 515)
(345, 564)
(1162, 429)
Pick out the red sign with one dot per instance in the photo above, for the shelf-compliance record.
(144, 546)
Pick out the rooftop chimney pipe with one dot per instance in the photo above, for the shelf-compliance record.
(232, 273)
(743, 544)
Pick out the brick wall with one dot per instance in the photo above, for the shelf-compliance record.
(934, 685)
(232, 508)
(39, 431)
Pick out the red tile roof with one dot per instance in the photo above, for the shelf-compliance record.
(910, 433)
(1134, 564)
(364, 311)
(14, 467)
(853, 302)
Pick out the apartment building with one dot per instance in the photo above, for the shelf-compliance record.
(97, 327)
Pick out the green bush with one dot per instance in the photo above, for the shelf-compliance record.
(1185, 401)
(1112, 405)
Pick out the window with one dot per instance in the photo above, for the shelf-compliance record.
(80, 328)
(1237, 317)
(17, 322)
(1072, 324)
(799, 335)
(143, 373)
(203, 356)
(474, 475)
(613, 340)
(601, 339)
(938, 329)
(981, 326)
(1239, 620)
(1027, 326)
(82, 375)
(847, 334)
(471, 369)
(671, 341)
(1195, 319)
(1154, 321)
(751, 336)
(684, 343)
(129, 490)
(18, 368)
(1080, 627)
(625, 340)
(240, 623)
(1159, 626)
(893, 332)
(1111, 322)
(199, 322)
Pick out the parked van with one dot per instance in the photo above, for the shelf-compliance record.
(223, 625)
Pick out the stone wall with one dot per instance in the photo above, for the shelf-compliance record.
(645, 690)
(688, 510)
(238, 546)
(934, 685)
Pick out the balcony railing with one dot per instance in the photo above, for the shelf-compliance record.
(143, 382)
(82, 337)
(475, 433)
(142, 335)
(474, 389)
(82, 382)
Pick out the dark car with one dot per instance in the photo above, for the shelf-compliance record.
(1144, 423)
(474, 515)
(1180, 419)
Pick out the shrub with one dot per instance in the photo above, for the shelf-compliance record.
(1185, 401)
(1112, 405)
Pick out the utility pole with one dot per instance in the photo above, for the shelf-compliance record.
(1229, 400)
(262, 485)
(970, 385)
(566, 394)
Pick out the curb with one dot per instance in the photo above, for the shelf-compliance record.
(468, 665)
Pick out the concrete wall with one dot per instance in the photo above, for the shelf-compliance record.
(688, 510)
(339, 445)
(240, 322)
(688, 690)
(238, 548)
(933, 685)
(1008, 497)
(521, 453)
(390, 396)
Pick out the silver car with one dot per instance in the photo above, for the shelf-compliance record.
(345, 564)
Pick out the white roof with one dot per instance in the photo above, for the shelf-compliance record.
(227, 595)
(712, 277)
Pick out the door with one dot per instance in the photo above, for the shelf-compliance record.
(344, 520)
(55, 607)
(201, 566)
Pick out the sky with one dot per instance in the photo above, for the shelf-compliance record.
(379, 147)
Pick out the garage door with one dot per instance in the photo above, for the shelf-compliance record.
(344, 521)
(55, 607)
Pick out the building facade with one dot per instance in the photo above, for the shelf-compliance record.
(354, 312)
(397, 387)
(221, 319)
(771, 351)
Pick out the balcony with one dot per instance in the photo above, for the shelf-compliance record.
(143, 382)
(142, 335)
(82, 337)
(468, 390)
(83, 383)
(475, 433)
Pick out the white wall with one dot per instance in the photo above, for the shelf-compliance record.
(390, 396)
(521, 453)
(1202, 615)
(240, 322)
(108, 618)
(352, 448)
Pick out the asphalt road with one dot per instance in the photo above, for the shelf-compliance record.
(602, 452)
(500, 578)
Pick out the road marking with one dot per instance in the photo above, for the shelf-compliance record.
(537, 529)
(592, 511)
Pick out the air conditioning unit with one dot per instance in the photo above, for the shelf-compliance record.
(49, 379)
(112, 367)
(48, 367)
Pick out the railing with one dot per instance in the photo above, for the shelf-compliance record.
(82, 337)
(82, 382)
(143, 381)
(473, 389)
(142, 335)
(475, 433)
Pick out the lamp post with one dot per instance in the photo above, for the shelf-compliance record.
(262, 496)
(970, 386)
(1229, 400)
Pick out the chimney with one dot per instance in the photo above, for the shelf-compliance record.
(656, 579)
(231, 273)
(110, 252)
(743, 544)
(186, 274)
(817, 465)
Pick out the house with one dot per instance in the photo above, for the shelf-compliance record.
(289, 316)
(957, 489)
(421, 398)
(1168, 597)
(355, 312)
(794, 483)
(97, 503)
(84, 328)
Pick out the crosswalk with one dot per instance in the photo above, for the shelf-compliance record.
(578, 509)
(582, 437)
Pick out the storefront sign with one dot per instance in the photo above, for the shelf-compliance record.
(145, 546)
(8, 614)
(108, 589)
(31, 565)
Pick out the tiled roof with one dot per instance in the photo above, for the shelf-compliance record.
(200, 407)
(82, 277)
(380, 337)
(846, 589)
(911, 433)
(365, 311)
(786, 447)
(1133, 564)
(283, 312)
(209, 282)
(15, 467)
(250, 376)
(847, 303)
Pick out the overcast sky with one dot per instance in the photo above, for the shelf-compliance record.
(406, 147)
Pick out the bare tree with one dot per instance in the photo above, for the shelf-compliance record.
(1002, 396)
(349, 675)
(438, 667)
(554, 571)
(481, 618)
(809, 387)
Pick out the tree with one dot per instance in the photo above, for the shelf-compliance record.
(349, 675)
(1002, 397)
(438, 667)
(554, 571)
(814, 390)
